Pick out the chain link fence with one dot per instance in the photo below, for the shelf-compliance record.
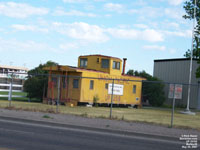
(113, 94)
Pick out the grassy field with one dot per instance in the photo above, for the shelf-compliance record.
(24, 98)
(156, 116)
(24, 94)
(14, 93)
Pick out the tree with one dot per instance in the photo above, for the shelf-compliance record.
(36, 82)
(196, 49)
(154, 92)
(189, 8)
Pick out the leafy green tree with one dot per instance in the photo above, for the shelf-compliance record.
(196, 49)
(152, 91)
(130, 72)
(37, 81)
(189, 9)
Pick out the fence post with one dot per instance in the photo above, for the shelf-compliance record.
(58, 95)
(172, 118)
(173, 105)
(10, 91)
(111, 99)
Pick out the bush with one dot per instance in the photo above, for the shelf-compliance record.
(35, 85)
(154, 93)
(95, 100)
(151, 91)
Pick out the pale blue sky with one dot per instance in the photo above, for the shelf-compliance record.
(35, 31)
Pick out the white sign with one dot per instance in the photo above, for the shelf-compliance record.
(178, 91)
(171, 91)
(118, 89)
(175, 92)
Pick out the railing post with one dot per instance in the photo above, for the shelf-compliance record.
(111, 99)
(58, 95)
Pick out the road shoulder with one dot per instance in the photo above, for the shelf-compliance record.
(98, 124)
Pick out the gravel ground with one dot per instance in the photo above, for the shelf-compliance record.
(100, 123)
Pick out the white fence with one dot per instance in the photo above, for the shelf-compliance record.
(17, 76)
(9, 88)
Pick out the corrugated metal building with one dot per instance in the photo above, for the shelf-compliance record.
(177, 71)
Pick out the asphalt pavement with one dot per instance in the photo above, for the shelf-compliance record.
(99, 123)
(18, 135)
(39, 130)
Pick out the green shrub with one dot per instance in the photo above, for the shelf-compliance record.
(152, 88)
(95, 100)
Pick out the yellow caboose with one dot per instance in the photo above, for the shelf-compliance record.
(92, 81)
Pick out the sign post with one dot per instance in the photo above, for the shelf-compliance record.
(58, 95)
(175, 92)
(172, 117)
(114, 89)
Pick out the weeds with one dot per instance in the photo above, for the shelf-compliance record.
(122, 117)
(102, 116)
(107, 125)
(46, 116)
(95, 100)
(50, 110)
(84, 114)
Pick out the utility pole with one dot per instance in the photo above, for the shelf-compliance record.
(187, 111)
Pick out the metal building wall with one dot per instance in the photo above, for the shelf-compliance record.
(177, 71)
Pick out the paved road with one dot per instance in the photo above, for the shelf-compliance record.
(31, 136)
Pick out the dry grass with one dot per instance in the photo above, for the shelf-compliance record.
(156, 116)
